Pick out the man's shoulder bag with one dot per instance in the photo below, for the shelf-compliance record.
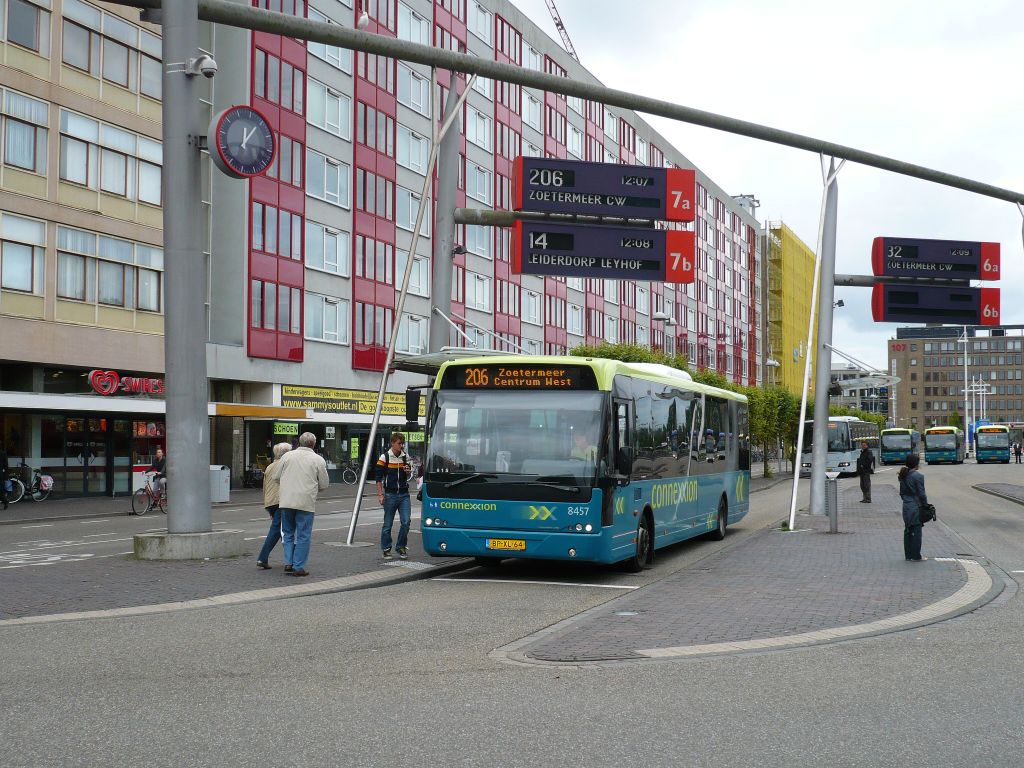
(927, 513)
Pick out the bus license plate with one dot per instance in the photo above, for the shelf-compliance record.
(506, 544)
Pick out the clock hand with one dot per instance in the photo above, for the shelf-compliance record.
(246, 135)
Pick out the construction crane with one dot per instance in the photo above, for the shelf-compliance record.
(561, 29)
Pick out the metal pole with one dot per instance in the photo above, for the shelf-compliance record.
(188, 440)
(397, 321)
(241, 15)
(798, 457)
(967, 414)
(444, 235)
(456, 328)
(823, 356)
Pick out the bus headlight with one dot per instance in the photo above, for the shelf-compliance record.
(844, 463)
(443, 546)
(579, 527)
(588, 527)
(428, 521)
(806, 466)
(572, 553)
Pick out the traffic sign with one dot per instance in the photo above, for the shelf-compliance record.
(549, 185)
(954, 259)
(613, 253)
(900, 303)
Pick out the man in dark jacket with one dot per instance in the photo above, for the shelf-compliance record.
(4, 468)
(865, 465)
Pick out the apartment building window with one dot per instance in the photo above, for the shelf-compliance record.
(407, 205)
(28, 25)
(413, 90)
(611, 330)
(533, 112)
(574, 142)
(276, 231)
(478, 240)
(510, 95)
(642, 152)
(611, 291)
(413, 150)
(508, 298)
(327, 249)
(419, 279)
(480, 22)
(375, 260)
(478, 183)
(412, 334)
(609, 157)
(327, 179)
(22, 243)
(534, 60)
(575, 283)
(531, 307)
(643, 301)
(374, 194)
(478, 292)
(326, 318)
(510, 142)
(556, 124)
(279, 82)
(276, 307)
(287, 165)
(376, 70)
(611, 124)
(458, 284)
(575, 320)
(98, 155)
(340, 58)
(104, 45)
(478, 128)
(484, 86)
(375, 129)
(575, 104)
(97, 268)
(328, 109)
(373, 324)
(412, 26)
(25, 120)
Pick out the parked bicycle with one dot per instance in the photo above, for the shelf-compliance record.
(15, 488)
(253, 477)
(349, 473)
(148, 498)
(40, 487)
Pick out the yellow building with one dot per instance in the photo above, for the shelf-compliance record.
(790, 267)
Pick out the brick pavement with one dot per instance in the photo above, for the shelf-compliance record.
(773, 584)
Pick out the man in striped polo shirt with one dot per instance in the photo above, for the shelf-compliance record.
(393, 470)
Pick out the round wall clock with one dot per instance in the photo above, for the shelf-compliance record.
(241, 142)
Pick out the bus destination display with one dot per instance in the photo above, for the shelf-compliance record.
(916, 257)
(501, 376)
(550, 185)
(611, 253)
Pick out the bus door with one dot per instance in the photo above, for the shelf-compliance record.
(622, 462)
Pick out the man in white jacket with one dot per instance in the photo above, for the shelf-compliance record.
(302, 474)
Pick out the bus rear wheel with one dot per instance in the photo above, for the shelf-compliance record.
(644, 543)
(723, 521)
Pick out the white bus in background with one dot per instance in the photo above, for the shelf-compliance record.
(845, 434)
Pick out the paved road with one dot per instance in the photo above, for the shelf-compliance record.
(403, 674)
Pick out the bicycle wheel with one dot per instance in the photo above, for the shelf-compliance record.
(16, 492)
(38, 494)
(141, 502)
(349, 476)
(161, 502)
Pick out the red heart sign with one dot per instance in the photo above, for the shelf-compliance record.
(104, 382)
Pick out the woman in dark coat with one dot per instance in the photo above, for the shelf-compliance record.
(914, 499)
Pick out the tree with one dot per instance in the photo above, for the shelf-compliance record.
(630, 353)
(955, 420)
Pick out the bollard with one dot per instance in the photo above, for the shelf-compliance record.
(832, 501)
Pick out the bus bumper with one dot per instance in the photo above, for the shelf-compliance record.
(547, 545)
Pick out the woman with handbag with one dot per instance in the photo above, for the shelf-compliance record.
(914, 503)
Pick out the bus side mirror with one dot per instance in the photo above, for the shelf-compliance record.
(624, 461)
(412, 407)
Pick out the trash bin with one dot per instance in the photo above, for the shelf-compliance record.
(220, 483)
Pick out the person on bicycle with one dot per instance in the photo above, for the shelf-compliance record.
(159, 470)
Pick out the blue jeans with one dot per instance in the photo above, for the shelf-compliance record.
(297, 528)
(273, 535)
(396, 502)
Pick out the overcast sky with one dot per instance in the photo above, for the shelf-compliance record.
(930, 82)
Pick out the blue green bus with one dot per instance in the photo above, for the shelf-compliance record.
(572, 458)
(944, 445)
(992, 443)
(898, 443)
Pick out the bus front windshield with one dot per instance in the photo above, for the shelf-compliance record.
(896, 442)
(993, 440)
(941, 442)
(551, 436)
(838, 437)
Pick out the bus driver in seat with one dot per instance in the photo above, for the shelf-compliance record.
(582, 447)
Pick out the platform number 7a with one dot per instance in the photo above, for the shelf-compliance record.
(680, 252)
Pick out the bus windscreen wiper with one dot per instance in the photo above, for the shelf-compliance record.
(467, 478)
(552, 481)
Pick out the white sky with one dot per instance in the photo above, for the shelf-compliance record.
(931, 82)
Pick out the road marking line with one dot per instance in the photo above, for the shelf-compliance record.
(1016, 571)
(65, 544)
(92, 522)
(96, 535)
(253, 538)
(219, 522)
(551, 583)
(256, 519)
(40, 525)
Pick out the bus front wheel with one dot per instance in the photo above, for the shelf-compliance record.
(643, 544)
(723, 520)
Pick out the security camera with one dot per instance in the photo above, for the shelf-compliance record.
(204, 65)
